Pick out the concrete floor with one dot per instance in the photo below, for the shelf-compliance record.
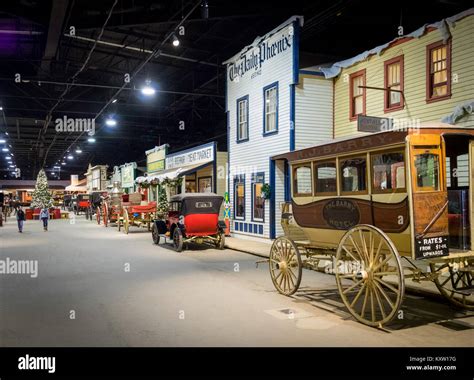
(194, 298)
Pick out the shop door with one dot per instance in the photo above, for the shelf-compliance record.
(429, 198)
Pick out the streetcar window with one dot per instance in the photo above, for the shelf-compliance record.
(427, 171)
(302, 180)
(353, 174)
(325, 177)
(388, 172)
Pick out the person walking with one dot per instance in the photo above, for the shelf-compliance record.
(20, 218)
(44, 216)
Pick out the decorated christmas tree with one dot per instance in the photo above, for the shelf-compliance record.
(41, 196)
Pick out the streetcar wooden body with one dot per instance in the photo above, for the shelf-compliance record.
(410, 190)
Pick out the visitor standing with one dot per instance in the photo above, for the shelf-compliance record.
(20, 218)
(44, 216)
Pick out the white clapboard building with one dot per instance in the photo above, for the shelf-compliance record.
(272, 107)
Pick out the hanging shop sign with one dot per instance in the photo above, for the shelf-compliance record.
(373, 124)
(127, 172)
(155, 158)
(195, 156)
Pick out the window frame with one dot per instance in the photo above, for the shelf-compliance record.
(239, 179)
(237, 121)
(340, 176)
(208, 177)
(254, 178)
(401, 105)
(429, 48)
(293, 182)
(324, 193)
(265, 89)
(360, 73)
(387, 191)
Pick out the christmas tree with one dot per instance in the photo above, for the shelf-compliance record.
(41, 196)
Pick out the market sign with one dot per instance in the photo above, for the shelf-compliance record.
(156, 166)
(199, 155)
(373, 124)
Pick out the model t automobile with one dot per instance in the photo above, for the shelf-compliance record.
(376, 210)
(192, 217)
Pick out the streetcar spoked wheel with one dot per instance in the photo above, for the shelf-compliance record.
(369, 275)
(285, 266)
(456, 282)
(126, 221)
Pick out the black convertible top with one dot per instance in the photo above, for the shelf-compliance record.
(199, 203)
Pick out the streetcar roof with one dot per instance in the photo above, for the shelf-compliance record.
(364, 140)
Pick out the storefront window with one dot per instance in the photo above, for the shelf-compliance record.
(271, 109)
(239, 197)
(258, 202)
(190, 186)
(205, 185)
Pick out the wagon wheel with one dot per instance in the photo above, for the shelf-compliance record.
(126, 221)
(97, 215)
(86, 213)
(285, 266)
(90, 213)
(106, 214)
(119, 222)
(220, 242)
(155, 235)
(456, 275)
(364, 256)
(178, 239)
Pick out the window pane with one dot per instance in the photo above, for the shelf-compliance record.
(302, 180)
(440, 90)
(353, 174)
(240, 200)
(270, 109)
(258, 201)
(427, 169)
(326, 177)
(358, 105)
(388, 171)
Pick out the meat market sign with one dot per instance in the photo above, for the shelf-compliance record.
(199, 155)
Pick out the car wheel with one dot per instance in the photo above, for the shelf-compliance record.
(178, 239)
(155, 235)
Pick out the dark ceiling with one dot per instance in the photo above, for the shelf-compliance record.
(66, 76)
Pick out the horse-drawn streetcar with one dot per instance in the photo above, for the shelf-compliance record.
(376, 210)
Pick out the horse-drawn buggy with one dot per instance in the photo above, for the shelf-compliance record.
(192, 217)
(376, 210)
(81, 204)
(134, 213)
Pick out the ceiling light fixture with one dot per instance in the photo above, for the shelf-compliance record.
(147, 90)
(91, 140)
(78, 150)
(175, 41)
(111, 122)
(70, 157)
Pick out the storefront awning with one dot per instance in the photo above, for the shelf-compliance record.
(173, 173)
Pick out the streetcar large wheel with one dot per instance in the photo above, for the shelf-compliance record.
(155, 235)
(456, 282)
(285, 265)
(369, 275)
(97, 215)
(126, 221)
(105, 210)
(178, 239)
